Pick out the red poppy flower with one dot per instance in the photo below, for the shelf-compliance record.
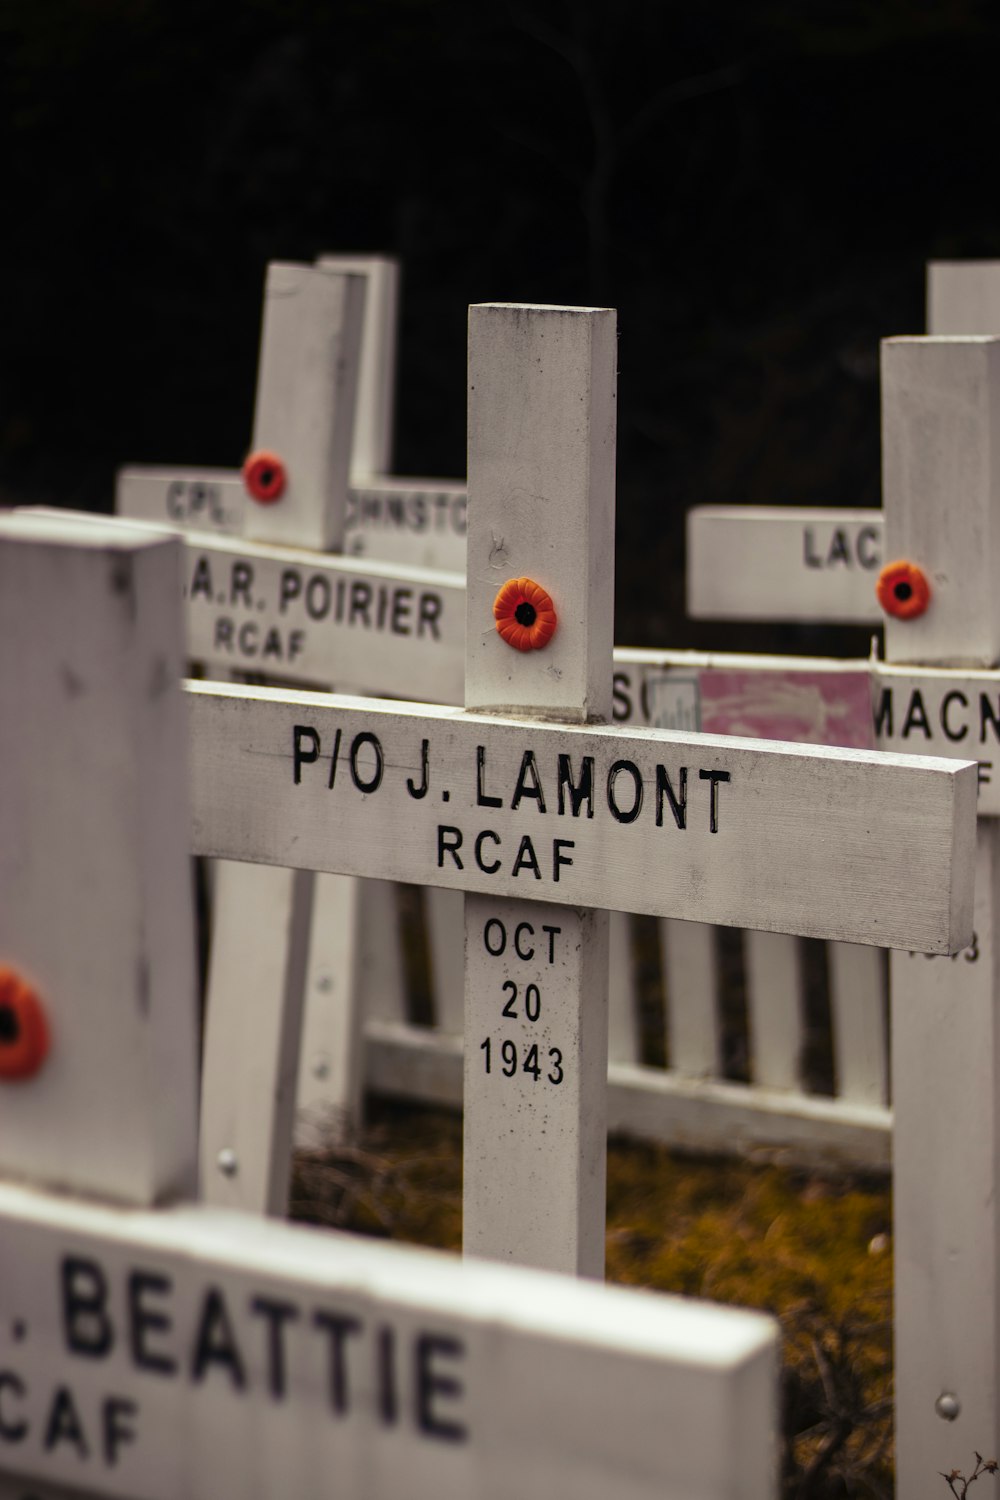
(903, 590)
(24, 1032)
(524, 614)
(264, 476)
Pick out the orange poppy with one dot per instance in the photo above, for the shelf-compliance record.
(903, 590)
(264, 476)
(524, 614)
(24, 1032)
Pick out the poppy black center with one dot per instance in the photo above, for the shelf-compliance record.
(525, 613)
(10, 1027)
(903, 591)
(266, 478)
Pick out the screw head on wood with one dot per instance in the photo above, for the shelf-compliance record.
(227, 1162)
(947, 1406)
(903, 590)
(24, 1030)
(525, 614)
(265, 476)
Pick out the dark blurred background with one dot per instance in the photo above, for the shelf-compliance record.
(756, 187)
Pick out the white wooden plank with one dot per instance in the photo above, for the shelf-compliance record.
(690, 970)
(946, 711)
(197, 499)
(963, 296)
(419, 522)
(542, 389)
(256, 981)
(371, 443)
(445, 915)
(774, 983)
(758, 563)
(945, 1101)
(754, 870)
(305, 404)
(859, 1020)
(208, 1354)
(940, 411)
(92, 765)
(624, 1041)
(383, 987)
(329, 1090)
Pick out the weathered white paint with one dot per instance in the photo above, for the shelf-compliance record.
(371, 442)
(306, 394)
(256, 981)
(330, 1085)
(692, 984)
(755, 870)
(541, 462)
(774, 990)
(506, 1384)
(940, 412)
(963, 296)
(751, 562)
(859, 1018)
(90, 654)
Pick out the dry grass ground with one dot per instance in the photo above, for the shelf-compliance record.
(811, 1249)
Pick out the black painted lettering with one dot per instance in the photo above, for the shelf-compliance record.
(11, 1430)
(883, 714)
(223, 634)
(289, 588)
(678, 800)
(201, 579)
(302, 736)
(144, 1321)
(578, 792)
(558, 858)
(420, 791)
(361, 598)
(418, 510)
(449, 842)
(553, 933)
(87, 1328)
(916, 716)
(359, 740)
(64, 1424)
(984, 778)
(318, 597)
(433, 1386)
(714, 777)
(431, 606)
(277, 1314)
(247, 638)
(383, 605)
(483, 799)
(395, 511)
(296, 644)
(523, 927)
(526, 859)
(215, 1343)
(987, 716)
(388, 1401)
(500, 933)
(487, 833)
(339, 1326)
(115, 1413)
(523, 789)
(621, 708)
(809, 551)
(335, 759)
(869, 555)
(175, 496)
(272, 645)
(628, 815)
(953, 697)
(402, 599)
(839, 550)
(239, 583)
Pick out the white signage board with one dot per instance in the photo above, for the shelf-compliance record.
(420, 522)
(833, 843)
(747, 562)
(197, 1352)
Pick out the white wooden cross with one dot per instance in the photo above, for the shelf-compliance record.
(941, 413)
(582, 817)
(155, 1349)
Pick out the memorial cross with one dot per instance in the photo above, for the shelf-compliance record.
(154, 1349)
(579, 815)
(941, 410)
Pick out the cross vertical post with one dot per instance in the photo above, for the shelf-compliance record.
(93, 753)
(941, 414)
(541, 505)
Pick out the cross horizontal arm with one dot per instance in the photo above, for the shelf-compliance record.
(833, 843)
